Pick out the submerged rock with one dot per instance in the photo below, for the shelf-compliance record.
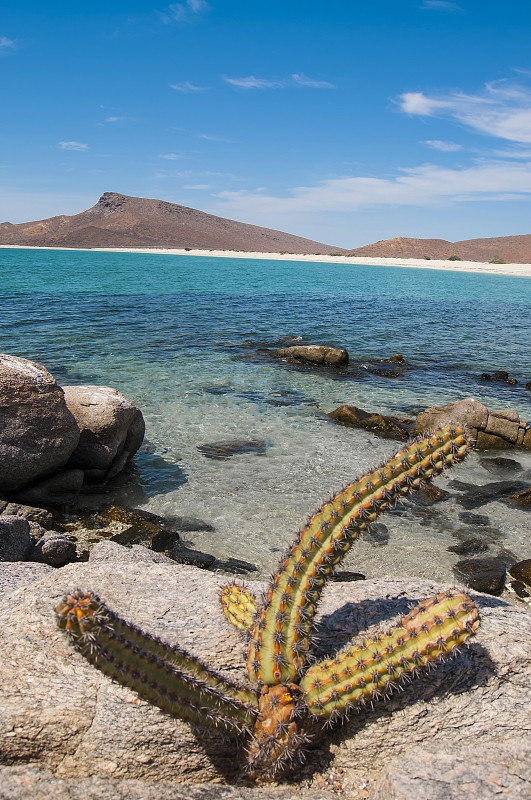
(389, 427)
(482, 574)
(314, 354)
(220, 451)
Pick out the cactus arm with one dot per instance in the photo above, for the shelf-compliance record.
(434, 629)
(238, 605)
(166, 676)
(281, 630)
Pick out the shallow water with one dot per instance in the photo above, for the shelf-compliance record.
(183, 337)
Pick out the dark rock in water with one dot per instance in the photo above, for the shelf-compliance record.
(521, 590)
(469, 547)
(315, 354)
(220, 451)
(347, 577)
(377, 534)
(388, 427)
(522, 571)
(474, 519)
(482, 574)
(477, 496)
(500, 377)
(385, 373)
(144, 528)
(528, 385)
(39, 515)
(428, 495)
(195, 558)
(522, 498)
(235, 566)
(53, 549)
(15, 538)
(499, 464)
(486, 534)
(187, 524)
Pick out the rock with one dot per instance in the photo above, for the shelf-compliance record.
(487, 441)
(38, 433)
(187, 524)
(15, 538)
(522, 498)
(110, 424)
(526, 443)
(482, 574)
(315, 354)
(499, 377)
(474, 519)
(143, 528)
(53, 549)
(389, 427)
(20, 573)
(74, 722)
(501, 426)
(107, 551)
(39, 515)
(528, 385)
(477, 496)
(234, 566)
(60, 490)
(522, 571)
(469, 547)
(428, 495)
(499, 767)
(499, 464)
(195, 558)
(345, 576)
(220, 451)
(28, 781)
(469, 413)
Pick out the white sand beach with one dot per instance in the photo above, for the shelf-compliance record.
(518, 270)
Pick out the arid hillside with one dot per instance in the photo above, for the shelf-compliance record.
(512, 249)
(121, 221)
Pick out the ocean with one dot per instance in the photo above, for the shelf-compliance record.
(186, 338)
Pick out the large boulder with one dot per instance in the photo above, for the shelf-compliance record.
(60, 714)
(390, 427)
(38, 433)
(315, 354)
(112, 429)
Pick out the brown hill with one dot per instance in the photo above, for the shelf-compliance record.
(121, 221)
(512, 249)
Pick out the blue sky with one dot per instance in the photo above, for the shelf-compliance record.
(346, 122)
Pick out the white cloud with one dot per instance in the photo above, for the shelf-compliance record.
(297, 79)
(502, 110)
(78, 146)
(186, 86)
(254, 83)
(444, 147)
(118, 119)
(439, 5)
(303, 80)
(184, 12)
(6, 44)
(419, 186)
(172, 156)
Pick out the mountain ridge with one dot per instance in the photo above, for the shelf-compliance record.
(119, 220)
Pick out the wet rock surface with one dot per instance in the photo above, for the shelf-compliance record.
(482, 574)
(314, 354)
(388, 427)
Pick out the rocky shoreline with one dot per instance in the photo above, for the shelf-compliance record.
(60, 445)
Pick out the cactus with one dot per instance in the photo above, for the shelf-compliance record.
(290, 700)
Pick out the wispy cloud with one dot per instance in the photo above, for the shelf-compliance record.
(419, 186)
(502, 110)
(444, 147)
(210, 137)
(294, 80)
(119, 119)
(439, 5)
(77, 146)
(6, 44)
(172, 156)
(303, 80)
(186, 86)
(188, 11)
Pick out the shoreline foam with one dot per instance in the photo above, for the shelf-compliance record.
(515, 270)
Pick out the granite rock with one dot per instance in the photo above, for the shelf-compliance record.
(315, 354)
(62, 715)
(15, 538)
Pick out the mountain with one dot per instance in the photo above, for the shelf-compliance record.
(121, 221)
(512, 249)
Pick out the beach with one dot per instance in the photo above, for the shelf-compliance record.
(518, 270)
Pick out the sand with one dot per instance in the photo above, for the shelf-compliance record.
(519, 270)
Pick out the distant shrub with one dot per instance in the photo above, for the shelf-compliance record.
(336, 254)
(454, 258)
(187, 248)
(426, 258)
(497, 261)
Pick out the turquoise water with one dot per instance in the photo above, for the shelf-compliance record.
(183, 337)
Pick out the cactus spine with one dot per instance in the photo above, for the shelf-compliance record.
(167, 676)
(280, 633)
(289, 700)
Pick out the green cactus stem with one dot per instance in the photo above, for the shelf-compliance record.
(281, 630)
(239, 605)
(367, 671)
(168, 677)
